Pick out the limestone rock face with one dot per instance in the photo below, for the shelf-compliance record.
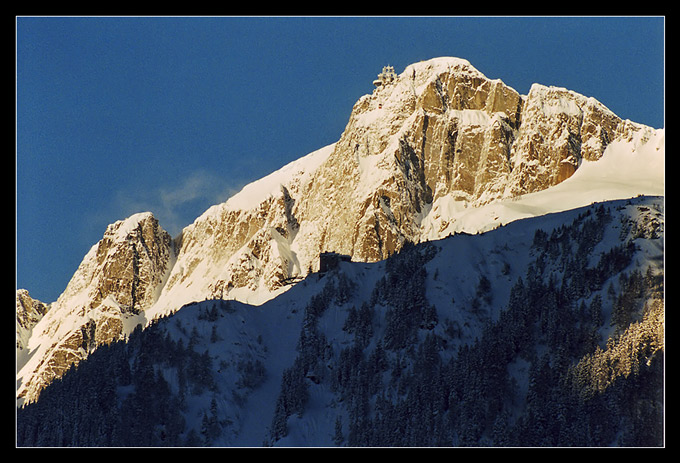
(560, 128)
(117, 280)
(129, 263)
(440, 131)
(431, 131)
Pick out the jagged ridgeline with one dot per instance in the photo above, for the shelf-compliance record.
(435, 150)
(548, 331)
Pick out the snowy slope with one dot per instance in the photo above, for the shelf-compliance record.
(299, 171)
(271, 334)
(501, 255)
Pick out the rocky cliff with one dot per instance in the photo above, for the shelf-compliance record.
(117, 280)
(440, 132)
(439, 137)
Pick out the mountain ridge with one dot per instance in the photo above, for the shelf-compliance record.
(441, 149)
(373, 179)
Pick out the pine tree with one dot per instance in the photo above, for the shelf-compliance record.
(338, 437)
(214, 337)
(210, 426)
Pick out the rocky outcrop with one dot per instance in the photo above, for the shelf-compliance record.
(243, 248)
(559, 130)
(117, 280)
(29, 312)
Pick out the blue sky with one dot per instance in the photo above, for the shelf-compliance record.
(172, 115)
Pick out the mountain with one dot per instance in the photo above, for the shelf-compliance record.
(118, 279)
(437, 150)
(437, 141)
(548, 331)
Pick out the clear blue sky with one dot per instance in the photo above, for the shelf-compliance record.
(173, 115)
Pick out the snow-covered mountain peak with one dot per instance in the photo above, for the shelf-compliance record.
(424, 149)
(121, 229)
(423, 72)
(436, 150)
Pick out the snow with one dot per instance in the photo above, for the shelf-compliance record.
(426, 71)
(553, 102)
(256, 192)
(471, 117)
(125, 227)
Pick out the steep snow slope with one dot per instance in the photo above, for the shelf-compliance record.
(224, 244)
(256, 192)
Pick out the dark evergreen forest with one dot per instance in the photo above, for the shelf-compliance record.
(586, 326)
